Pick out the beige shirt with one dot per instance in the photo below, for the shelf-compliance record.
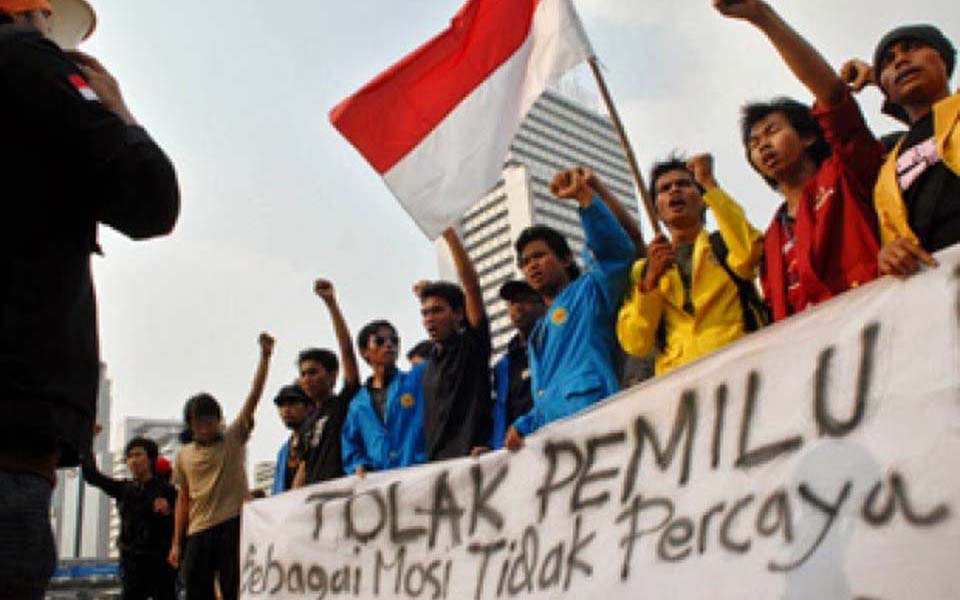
(216, 476)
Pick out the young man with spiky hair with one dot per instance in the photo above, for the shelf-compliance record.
(573, 349)
(145, 503)
(319, 437)
(824, 162)
(918, 193)
(458, 406)
(384, 424)
(686, 301)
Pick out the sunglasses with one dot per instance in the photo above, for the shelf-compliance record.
(380, 340)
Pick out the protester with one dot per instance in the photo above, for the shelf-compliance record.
(511, 374)
(319, 437)
(72, 156)
(211, 473)
(294, 407)
(384, 426)
(420, 352)
(823, 239)
(572, 349)
(145, 504)
(456, 380)
(918, 192)
(695, 294)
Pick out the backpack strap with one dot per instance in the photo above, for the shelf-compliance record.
(755, 312)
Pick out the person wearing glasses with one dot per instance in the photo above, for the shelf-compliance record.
(384, 425)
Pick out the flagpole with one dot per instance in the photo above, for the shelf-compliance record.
(625, 142)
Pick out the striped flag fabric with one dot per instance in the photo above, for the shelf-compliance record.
(437, 125)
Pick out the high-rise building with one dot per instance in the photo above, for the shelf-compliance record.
(80, 513)
(558, 133)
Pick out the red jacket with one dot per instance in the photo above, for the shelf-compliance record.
(836, 224)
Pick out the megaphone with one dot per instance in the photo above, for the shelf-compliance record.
(72, 22)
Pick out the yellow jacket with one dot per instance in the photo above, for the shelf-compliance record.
(887, 196)
(717, 318)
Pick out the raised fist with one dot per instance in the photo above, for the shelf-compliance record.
(701, 166)
(324, 289)
(573, 184)
(266, 342)
(857, 74)
(748, 10)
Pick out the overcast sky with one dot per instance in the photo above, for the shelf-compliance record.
(238, 92)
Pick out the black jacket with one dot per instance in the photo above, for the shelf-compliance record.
(143, 532)
(66, 164)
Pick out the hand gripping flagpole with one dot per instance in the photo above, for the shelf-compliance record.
(625, 142)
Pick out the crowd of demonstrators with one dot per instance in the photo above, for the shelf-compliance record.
(851, 210)
(695, 293)
(211, 474)
(145, 503)
(72, 157)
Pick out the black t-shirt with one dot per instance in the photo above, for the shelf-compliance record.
(519, 393)
(931, 191)
(320, 437)
(457, 398)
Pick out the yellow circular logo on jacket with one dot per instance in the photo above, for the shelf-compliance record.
(559, 316)
(406, 400)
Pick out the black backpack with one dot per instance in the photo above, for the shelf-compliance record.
(756, 314)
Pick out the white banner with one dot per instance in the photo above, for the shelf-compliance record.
(818, 459)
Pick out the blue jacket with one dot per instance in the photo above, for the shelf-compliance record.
(280, 472)
(501, 390)
(573, 348)
(367, 441)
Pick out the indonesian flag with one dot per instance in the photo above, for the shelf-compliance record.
(437, 125)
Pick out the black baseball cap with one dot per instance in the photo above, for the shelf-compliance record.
(292, 393)
(514, 290)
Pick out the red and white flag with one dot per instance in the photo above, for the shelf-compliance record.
(437, 125)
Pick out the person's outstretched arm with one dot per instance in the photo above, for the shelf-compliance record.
(626, 220)
(803, 59)
(110, 486)
(259, 380)
(476, 312)
(348, 357)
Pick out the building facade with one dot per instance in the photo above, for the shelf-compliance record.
(80, 513)
(558, 133)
